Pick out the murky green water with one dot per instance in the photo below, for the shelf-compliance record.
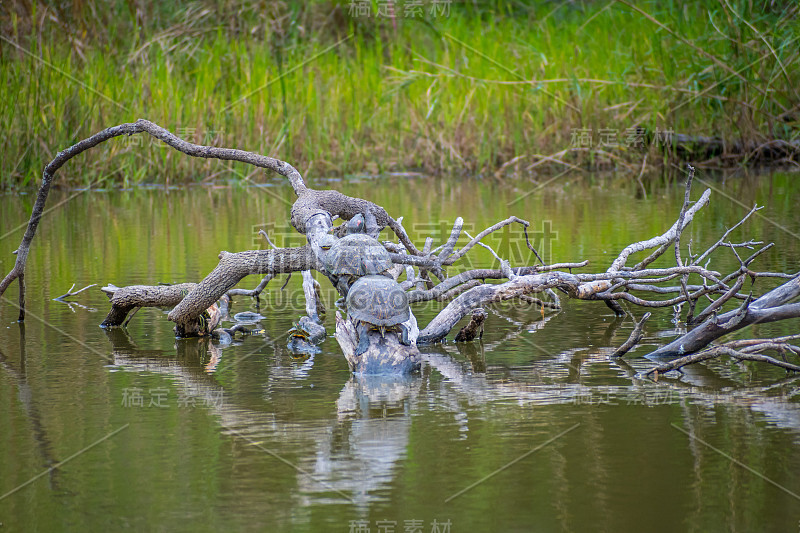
(534, 429)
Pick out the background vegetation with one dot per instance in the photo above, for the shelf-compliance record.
(494, 87)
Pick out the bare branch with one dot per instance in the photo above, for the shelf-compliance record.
(232, 268)
(69, 293)
(458, 255)
(254, 293)
(716, 351)
(447, 250)
(708, 311)
(665, 239)
(485, 294)
(140, 126)
(266, 237)
(770, 307)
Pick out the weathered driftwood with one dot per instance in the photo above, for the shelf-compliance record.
(486, 294)
(231, 269)
(741, 350)
(635, 337)
(474, 328)
(385, 355)
(70, 293)
(770, 307)
(309, 201)
(126, 299)
(140, 126)
(470, 290)
(315, 308)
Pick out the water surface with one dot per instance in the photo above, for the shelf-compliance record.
(544, 431)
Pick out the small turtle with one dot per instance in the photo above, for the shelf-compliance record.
(305, 336)
(377, 303)
(248, 317)
(355, 255)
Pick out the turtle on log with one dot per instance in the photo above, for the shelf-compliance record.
(355, 255)
(377, 303)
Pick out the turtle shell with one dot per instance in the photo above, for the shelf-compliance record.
(357, 255)
(377, 300)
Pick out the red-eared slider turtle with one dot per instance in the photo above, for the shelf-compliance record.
(304, 337)
(355, 255)
(377, 303)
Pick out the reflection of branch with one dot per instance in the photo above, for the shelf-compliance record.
(749, 350)
(27, 399)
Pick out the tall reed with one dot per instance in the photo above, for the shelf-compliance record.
(506, 86)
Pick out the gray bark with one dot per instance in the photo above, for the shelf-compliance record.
(126, 299)
(140, 126)
(482, 295)
(231, 269)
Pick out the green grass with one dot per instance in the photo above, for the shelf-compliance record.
(465, 93)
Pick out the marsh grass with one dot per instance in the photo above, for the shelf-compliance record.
(499, 89)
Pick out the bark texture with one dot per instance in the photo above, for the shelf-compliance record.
(232, 268)
(125, 299)
(482, 295)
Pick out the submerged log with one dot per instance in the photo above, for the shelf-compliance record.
(386, 354)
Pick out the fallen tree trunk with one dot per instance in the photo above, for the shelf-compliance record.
(231, 269)
(126, 299)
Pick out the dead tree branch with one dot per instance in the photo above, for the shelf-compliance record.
(126, 299)
(69, 293)
(485, 294)
(309, 202)
(231, 269)
(770, 307)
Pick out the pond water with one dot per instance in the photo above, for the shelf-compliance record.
(532, 429)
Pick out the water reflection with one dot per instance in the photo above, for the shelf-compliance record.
(356, 451)
(18, 376)
(353, 455)
(395, 448)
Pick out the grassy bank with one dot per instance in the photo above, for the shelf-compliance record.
(476, 89)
